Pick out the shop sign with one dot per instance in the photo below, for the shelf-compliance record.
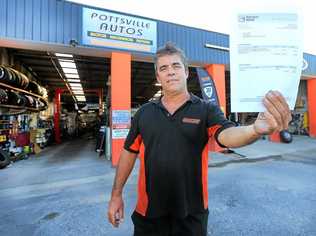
(108, 29)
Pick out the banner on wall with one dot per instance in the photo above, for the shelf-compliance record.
(108, 29)
(207, 85)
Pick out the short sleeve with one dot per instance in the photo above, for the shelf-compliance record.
(134, 139)
(216, 121)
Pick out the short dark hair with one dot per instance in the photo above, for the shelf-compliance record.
(169, 49)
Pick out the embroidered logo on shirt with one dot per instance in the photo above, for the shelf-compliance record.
(191, 120)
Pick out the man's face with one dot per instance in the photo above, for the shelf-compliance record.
(171, 74)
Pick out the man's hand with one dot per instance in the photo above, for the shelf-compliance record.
(116, 210)
(276, 117)
(116, 204)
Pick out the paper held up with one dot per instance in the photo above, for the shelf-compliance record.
(265, 54)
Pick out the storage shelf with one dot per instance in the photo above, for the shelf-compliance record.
(23, 91)
(21, 108)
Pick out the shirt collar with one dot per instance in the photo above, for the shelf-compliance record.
(193, 99)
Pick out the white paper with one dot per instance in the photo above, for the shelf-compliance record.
(119, 133)
(265, 54)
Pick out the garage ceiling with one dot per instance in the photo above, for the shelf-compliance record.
(94, 73)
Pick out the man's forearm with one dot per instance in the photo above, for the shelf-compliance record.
(238, 136)
(124, 168)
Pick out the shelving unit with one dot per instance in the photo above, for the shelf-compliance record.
(25, 92)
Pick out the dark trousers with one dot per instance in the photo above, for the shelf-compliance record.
(191, 225)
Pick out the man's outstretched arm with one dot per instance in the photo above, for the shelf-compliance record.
(276, 118)
(116, 204)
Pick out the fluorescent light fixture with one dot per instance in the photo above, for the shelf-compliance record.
(66, 60)
(78, 92)
(67, 65)
(74, 80)
(72, 76)
(63, 55)
(70, 71)
(77, 89)
(75, 84)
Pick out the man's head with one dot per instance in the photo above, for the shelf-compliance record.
(171, 69)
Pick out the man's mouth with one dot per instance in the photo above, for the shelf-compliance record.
(172, 80)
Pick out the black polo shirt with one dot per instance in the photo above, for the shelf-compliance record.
(173, 152)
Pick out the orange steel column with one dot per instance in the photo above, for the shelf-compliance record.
(217, 71)
(120, 94)
(311, 100)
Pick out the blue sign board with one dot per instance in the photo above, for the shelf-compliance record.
(121, 117)
(108, 29)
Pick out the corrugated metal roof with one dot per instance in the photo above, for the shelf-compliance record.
(58, 22)
(193, 42)
(49, 21)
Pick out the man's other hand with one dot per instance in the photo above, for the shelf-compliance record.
(116, 210)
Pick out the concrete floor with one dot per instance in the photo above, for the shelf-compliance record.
(65, 190)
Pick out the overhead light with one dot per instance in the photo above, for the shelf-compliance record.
(65, 60)
(70, 71)
(158, 84)
(72, 76)
(74, 80)
(67, 64)
(77, 89)
(63, 55)
(75, 84)
(78, 92)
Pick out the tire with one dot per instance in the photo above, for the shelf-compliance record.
(4, 159)
(3, 97)
(286, 136)
(15, 99)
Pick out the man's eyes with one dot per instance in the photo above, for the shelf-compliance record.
(175, 66)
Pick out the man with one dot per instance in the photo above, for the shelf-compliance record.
(170, 136)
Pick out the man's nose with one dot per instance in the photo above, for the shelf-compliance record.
(171, 71)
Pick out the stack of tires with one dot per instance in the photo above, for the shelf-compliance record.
(16, 79)
(13, 77)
